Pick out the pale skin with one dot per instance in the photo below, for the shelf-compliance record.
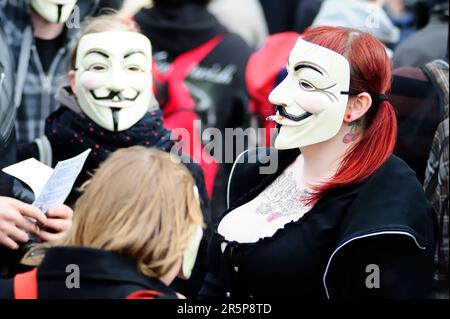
(43, 29)
(15, 224)
(281, 202)
(170, 276)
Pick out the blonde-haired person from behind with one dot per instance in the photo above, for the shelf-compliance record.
(136, 228)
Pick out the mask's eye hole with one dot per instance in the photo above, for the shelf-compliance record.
(305, 85)
(97, 68)
(134, 68)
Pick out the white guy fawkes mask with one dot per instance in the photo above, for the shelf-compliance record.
(114, 78)
(312, 99)
(54, 11)
(190, 254)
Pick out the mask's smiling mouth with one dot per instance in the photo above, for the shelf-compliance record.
(282, 115)
(114, 96)
(296, 118)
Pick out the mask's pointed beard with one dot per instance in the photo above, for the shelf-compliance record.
(60, 8)
(115, 116)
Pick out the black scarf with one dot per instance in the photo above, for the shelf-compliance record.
(71, 133)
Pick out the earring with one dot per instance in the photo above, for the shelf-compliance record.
(348, 117)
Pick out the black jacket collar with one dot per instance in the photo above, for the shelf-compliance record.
(98, 264)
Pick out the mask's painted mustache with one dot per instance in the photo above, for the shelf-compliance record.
(114, 96)
(283, 114)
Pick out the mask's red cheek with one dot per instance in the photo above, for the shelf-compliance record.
(90, 81)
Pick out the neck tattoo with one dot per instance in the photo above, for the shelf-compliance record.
(282, 198)
(353, 135)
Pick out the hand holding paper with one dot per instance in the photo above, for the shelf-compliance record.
(50, 186)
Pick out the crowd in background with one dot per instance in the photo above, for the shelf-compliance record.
(214, 62)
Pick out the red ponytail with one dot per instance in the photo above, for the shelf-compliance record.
(371, 72)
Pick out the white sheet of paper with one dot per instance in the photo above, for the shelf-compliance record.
(50, 186)
(60, 184)
(31, 172)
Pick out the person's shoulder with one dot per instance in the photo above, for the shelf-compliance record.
(395, 167)
(397, 184)
(393, 196)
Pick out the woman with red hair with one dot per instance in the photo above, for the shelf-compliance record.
(341, 217)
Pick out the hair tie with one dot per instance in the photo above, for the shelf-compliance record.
(380, 98)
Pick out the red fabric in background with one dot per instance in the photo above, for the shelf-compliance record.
(179, 111)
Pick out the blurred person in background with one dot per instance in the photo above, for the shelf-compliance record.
(245, 18)
(402, 17)
(364, 15)
(7, 115)
(14, 213)
(307, 11)
(280, 14)
(40, 34)
(199, 76)
(129, 239)
(420, 97)
(428, 43)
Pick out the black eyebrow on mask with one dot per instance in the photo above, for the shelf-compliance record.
(309, 66)
(97, 52)
(132, 52)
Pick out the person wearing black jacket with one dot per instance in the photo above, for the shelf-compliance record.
(129, 239)
(341, 217)
(216, 84)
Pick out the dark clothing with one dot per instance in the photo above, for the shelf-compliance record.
(306, 13)
(107, 5)
(7, 115)
(48, 49)
(9, 258)
(176, 30)
(416, 102)
(102, 275)
(427, 44)
(216, 84)
(384, 220)
(280, 15)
